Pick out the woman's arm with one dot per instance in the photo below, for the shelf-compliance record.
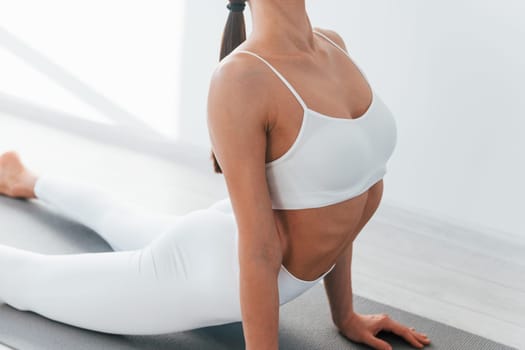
(338, 283)
(338, 287)
(357, 327)
(237, 124)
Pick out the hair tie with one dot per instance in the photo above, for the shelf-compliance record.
(236, 6)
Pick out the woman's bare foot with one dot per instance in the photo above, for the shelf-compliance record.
(15, 179)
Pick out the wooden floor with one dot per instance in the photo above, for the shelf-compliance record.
(467, 278)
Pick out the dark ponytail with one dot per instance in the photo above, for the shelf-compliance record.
(234, 34)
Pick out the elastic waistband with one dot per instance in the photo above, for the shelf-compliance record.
(305, 281)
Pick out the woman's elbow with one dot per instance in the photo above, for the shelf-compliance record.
(269, 255)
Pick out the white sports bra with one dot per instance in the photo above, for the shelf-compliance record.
(332, 159)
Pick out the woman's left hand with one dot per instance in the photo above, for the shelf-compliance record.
(363, 328)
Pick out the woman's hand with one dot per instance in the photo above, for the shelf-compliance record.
(363, 328)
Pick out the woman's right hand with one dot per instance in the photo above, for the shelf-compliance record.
(363, 329)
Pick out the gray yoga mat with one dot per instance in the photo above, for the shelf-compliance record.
(305, 322)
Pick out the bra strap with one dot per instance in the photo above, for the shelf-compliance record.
(288, 85)
(343, 50)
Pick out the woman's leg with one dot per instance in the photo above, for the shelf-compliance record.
(123, 225)
(185, 278)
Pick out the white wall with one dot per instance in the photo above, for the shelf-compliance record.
(452, 73)
(201, 43)
(93, 58)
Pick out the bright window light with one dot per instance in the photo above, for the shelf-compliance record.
(104, 61)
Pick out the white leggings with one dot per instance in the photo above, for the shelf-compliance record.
(167, 273)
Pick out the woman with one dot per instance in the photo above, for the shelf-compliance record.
(302, 183)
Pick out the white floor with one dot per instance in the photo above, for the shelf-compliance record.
(468, 279)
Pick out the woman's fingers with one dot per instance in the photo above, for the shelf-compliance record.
(422, 337)
(377, 343)
(408, 334)
(411, 338)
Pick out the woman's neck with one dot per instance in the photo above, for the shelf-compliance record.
(282, 25)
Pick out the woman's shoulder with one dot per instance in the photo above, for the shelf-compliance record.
(240, 68)
(243, 80)
(333, 35)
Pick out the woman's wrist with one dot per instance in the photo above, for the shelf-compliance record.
(345, 319)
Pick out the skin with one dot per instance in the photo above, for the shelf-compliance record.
(261, 126)
(16, 180)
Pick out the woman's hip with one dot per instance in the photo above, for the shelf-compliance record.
(202, 247)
